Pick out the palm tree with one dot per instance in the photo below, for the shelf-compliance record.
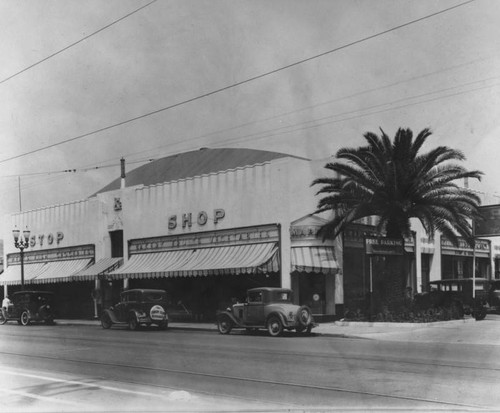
(392, 180)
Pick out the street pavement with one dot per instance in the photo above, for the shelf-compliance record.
(466, 331)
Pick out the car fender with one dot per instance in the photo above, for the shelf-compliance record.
(231, 316)
(279, 315)
(112, 316)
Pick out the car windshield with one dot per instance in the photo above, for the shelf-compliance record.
(283, 296)
(154, 296)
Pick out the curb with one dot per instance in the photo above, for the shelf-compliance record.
(404, 325)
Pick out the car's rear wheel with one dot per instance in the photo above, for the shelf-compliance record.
(133, 324)
(25, 318)
(274, 326)
(304, 330)
(479, 313)
(106, 321)
(224, 325)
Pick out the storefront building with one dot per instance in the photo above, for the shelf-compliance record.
(206, 226)
(201, 228)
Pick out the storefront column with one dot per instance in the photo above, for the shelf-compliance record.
(285, 255)
(330, 294)
(5, 291)
(97, 294)
(418, 262)
(435, 267)
(125, 283)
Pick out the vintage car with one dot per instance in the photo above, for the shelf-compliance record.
(138, 307)
(457, 295)
(266, 308)
(30, 306)
(494, 295)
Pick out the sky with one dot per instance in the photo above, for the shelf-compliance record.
(84, 83)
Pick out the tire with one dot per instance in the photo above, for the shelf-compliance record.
(3, 320)
(304, 317)
(106, 322)
(133, 323)
(224, 325)
(457, 310)
(479, 313)
(163, 325)
(25, 318)
(274, 326)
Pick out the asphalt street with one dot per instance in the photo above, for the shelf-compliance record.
(78, 366)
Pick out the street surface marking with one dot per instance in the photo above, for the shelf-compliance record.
(176, 395)
(43, 398)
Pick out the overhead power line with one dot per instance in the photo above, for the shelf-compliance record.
(309, 124)
(251, 79)
(75, 43)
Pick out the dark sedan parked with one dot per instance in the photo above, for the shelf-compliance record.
(30, 306)
(138, 307)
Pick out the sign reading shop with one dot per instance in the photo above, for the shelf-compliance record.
(186, 219)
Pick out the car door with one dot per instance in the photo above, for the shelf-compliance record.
(254, 308)
(120, 308)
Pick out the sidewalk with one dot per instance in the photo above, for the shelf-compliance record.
(467, 330)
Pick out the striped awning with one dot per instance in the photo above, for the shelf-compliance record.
(101, 267)
(12, 274)
(237, 259)
(314, 259)
(61, 271)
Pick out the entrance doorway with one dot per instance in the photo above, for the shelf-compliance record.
(312, 289)
(116, 238)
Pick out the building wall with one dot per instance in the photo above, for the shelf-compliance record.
(56, 226)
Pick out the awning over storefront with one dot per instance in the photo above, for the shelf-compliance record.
(12, 274)
(101, 267)
(236, 259)
(43, 272)
(61, 271)
(314, 259)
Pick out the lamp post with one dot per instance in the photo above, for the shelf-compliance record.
(21, 242)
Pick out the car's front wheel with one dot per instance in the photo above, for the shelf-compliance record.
(224, 325)
(133, 324)
(25, 318)
(106, 321)
(274, 326)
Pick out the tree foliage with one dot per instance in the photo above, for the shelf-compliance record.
(396, 182)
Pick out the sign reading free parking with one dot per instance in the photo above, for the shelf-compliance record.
(489, 226)
(384, 246)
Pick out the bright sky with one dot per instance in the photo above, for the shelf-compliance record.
(441, 72)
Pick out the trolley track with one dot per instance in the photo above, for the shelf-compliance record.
(330, 392)
(190, 348)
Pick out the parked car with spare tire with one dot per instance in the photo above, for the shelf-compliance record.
(30, 307)
(266, 308)
(138, 307)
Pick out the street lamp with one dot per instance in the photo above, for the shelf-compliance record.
(21, 242)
